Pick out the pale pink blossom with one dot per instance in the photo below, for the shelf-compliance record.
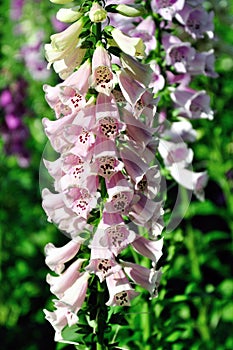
(58, 213)
(117, 237)
(167, 8)
(178, 54)
(147, 278)
(130, 88)
(68, 306)
(136, 130)
(59, 284)
(136, 70)
(131, 46)
(120, 290)
(106, 162)
(97, 13)
(102, 78)
(142, 211)
(180, 130)
(146, 179)
(146, 31)
(194, 181)
(157, 80)
(175, 153)
(65, 66)
(150, 249)
(196, 21)
(103, 267)
(63, 43)
(156, 224)
(192, 104)
(108, 123)
(57, 257)
(54, 130)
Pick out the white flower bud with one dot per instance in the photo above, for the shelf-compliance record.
(97, 13)
(68, 15)
(130, 10)
(61, 2)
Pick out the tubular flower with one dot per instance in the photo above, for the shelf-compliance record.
(63, 43)
(131, 46)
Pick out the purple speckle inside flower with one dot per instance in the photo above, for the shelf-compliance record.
(194, 23)
(179, 54)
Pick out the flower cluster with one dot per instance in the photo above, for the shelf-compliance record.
(107, 131)
(172, 34)
(13, 129)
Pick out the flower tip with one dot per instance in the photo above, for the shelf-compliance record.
(61, 2)
(97, 13)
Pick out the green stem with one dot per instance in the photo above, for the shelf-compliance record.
(98, 32)
(98, 346)
(202, 319)
(203, 324)
(146, 326)
(101, 316)
(193, 254)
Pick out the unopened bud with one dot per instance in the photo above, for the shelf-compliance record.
(97, 13)
(130, 10)
(68, 15)
(61, 2)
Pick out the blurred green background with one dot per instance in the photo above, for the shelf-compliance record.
(194, 309)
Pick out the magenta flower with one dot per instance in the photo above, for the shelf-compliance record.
(13, 131)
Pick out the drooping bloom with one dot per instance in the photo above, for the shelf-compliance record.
(64, 45)
(197, 21)
(192, 104)
(102, 78)
(131, 46)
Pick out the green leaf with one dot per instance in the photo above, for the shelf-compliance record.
(118, 318)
